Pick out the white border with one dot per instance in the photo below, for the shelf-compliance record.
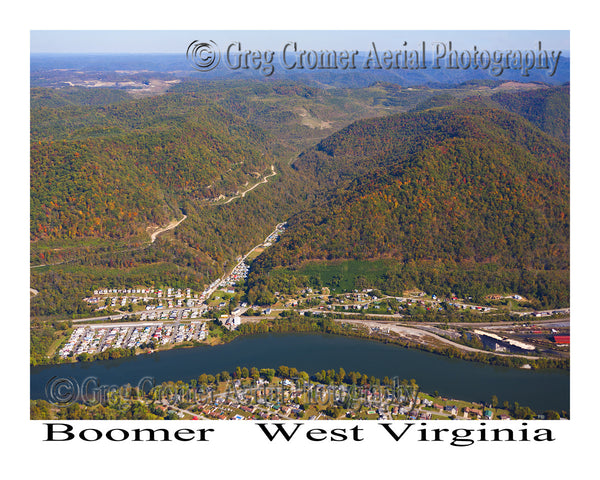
(239, 452)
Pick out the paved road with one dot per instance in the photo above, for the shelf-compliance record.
(210, 291)
(198, 415)
(213, 289)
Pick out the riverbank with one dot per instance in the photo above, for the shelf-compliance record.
(285, 393)
(410, 338)
(316, 352)
(388, 335)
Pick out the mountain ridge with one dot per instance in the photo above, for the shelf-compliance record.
(461, 186)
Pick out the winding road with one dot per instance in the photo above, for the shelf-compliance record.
(243, 194)
(175, 223)
(170, 226)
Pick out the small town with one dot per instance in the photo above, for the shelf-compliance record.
(157, 318)
(160, 317)
(274, 394)
(147, 318)
(153, 311)
(283, 399)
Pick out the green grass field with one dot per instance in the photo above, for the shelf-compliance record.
(342, 275)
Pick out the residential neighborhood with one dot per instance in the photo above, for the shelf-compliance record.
(287, 399)
(96, 339)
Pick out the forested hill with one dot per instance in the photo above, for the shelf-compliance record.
(547, 108)
(64, 97)
(112, 170)
(460, 188)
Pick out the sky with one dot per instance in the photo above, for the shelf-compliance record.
(176, 41)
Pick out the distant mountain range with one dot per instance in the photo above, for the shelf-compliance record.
(54, 70)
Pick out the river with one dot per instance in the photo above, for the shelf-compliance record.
(452, 378)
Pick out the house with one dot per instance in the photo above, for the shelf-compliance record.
(232, 322)
(494, 297)
(474, 411)
(286, 410)
(488, 414)
(451, 409)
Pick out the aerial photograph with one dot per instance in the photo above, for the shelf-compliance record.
(299, 225)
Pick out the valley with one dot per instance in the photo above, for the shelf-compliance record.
(433, 217)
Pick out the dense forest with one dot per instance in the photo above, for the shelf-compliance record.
(483, 195)
(547, 108)
(455, 190)
(110, 171)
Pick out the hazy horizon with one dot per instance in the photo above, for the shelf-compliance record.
(176, 41)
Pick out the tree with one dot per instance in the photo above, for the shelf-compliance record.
(267, 373)
(84, 357)
(341, 376)
(552, 415)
